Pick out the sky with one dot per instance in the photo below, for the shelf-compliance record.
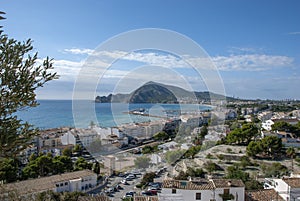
(254, 45)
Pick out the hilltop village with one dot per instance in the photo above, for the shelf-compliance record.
(250, 154)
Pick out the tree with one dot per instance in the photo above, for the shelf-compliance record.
(161, 136)
(67, 152)
(271, 146)
(192, 151)
(21, 75)
(242, 135)
(82, 164)
(254, 148)
(148, 177)
(234, 172)
(8, 170)
(283, 126)
(142, 162)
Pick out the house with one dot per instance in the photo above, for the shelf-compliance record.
(67, 182)
(267, 125)
(203, 189)
(263, 195)
(287, 188)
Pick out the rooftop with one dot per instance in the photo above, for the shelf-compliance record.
(292, 182)
(263, 195)
(45, 183)
(189, 185)
(203, 184)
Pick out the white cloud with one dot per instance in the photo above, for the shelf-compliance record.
(79, 51)
(251, 62)
(234, 62)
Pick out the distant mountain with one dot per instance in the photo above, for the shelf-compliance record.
(153, 92)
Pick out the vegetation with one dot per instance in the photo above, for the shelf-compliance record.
(270, 146)
(274, 170)
(149, 149)
(20, 77)
(191, 172)
(161, 136)
(45, 165)
(242, 135)
(173, 156)
(142, 162)
(284, 126)
(148, 177)
(192, 151)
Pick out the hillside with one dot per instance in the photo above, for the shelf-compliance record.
(153, 92)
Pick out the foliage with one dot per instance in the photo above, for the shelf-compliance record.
(20, 77)
(44, 165)
(161, 136)
(274, 170)
(245, 161)
(242, 135)
(211, 167)
(173, 156)
(191, 172)
(283, 126)
(82, 164)
(8, 170)
(77, 148)
(270, 146)
(149, 149)
(253, 185)
(192, 151)
(127, 199)
(234, 172)
(291, 152)
(67, 152)
(142, 162)
(148, 177)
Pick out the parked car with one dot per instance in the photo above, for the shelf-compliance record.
(124, 181)
(130, 177)
(149, 193)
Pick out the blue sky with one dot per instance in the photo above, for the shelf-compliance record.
(254, 44)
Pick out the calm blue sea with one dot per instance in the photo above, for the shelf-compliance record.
(59, 113)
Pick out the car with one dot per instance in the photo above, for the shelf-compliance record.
(149, 193)
(130, 194)
(124, 181)
(130, 177)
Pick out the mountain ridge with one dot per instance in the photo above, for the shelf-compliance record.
(153, 92)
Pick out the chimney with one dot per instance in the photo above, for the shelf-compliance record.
(229, 183)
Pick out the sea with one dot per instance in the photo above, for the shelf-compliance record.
(62, 113)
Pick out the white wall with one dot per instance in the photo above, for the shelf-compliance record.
(190, 195)
(68, 138)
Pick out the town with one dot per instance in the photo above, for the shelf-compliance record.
(251, 154)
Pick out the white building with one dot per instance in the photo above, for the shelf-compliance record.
(143, 130)
(205, 190)
(287, 188)
(267, 125)
(68, 182)
(68, 138)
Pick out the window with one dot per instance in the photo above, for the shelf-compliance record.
(174, 191)
(61, 184)
(198, 196)
(226, 191)
(66, 183)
